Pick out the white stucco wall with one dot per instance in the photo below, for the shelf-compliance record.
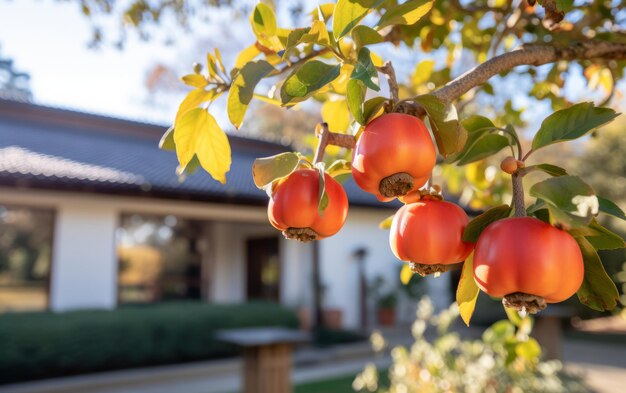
(84, 268)
(340, 269)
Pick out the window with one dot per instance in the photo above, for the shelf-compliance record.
(159, 259)
(25, 257)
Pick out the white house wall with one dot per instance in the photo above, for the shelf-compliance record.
(84, 274)
(339, 268)
(340, 275)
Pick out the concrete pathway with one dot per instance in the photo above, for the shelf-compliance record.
(604, 365)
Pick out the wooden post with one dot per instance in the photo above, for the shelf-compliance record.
(267, 360)
(267, 369)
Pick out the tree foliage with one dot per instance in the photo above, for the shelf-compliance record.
(340, 58)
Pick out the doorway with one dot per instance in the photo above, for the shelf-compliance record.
(263, 269)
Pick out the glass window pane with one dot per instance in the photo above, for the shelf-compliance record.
(25, 257)
(159, 259)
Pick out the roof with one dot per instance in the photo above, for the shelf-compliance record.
(51, 148)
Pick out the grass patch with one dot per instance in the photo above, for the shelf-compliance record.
(338, 384)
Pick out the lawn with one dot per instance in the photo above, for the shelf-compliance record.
(336, 385)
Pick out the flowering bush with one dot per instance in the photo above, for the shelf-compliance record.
(505, 359)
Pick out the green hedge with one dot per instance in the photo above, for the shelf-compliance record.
(46, 344)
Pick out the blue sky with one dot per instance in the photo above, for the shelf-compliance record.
(48, 39)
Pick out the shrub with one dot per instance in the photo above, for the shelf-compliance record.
(46, 344)
(506, 359)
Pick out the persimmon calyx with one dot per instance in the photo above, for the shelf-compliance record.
(303, 235)
(524, 302)
(396, 185)
(424, 270)
(432, 193)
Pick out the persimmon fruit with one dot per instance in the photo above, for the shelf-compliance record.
(394, 155)
(528, 263)
(293, 206)
(428, 234)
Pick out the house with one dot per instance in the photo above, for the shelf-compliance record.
(92, 215)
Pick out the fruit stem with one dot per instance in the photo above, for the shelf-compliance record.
(518, 194)
(326, 137)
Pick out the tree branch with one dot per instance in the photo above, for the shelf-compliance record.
(326, 137)
(534, 55)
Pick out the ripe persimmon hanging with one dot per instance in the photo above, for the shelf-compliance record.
(293, 206)
(528, 263)
(428, 233)
(394, 155)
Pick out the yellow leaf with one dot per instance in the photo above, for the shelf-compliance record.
(220, 63)
(193, 100)
(199, 134)
(377, 60)
(211, 65)
(246, 55)
(386, 223)
(467, 291)
(406, 274)
(195, 80)
(336, 114)
(423, 72)
(341, 83)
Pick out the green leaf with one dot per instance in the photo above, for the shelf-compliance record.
(269, 169)
(571, 201)
(572, 123)
(365, 35)
(371, 107)
(355, 94)
(242, 89)
(339, 167)
(550, 169)
(317, 34)
(597, 290)
(199, 134)
(408, 13)
(307, 79)
(487, 145)
(167, 140)
(477, 124)
(600, 237)
(609, 207)
(467, 291)
(349, 13)
(322, 197)
(499, 332)
(475, 227)
(365, 71)
(449, 133)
